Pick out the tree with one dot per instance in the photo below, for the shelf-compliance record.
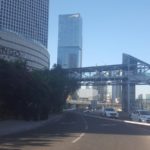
(62, 84)
(32, 95)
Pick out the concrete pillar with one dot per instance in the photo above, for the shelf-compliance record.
(128, 97)
(116, 92)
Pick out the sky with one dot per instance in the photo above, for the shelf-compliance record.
(110, 28)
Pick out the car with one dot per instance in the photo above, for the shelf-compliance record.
(141, 116)
(110, 112)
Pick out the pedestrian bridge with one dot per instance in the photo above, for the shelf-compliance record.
(131, 72)
(86, 103)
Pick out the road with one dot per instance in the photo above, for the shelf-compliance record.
(77, 131)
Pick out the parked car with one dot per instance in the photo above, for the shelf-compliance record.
(141, 116)
(110, 112)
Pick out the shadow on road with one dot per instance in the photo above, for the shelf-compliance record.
(44, 136)
(66, 127)
(102, 126)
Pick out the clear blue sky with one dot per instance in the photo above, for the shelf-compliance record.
(110, 27)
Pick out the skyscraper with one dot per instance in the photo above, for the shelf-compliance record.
(116, 93)
(70, 41)
(24, 31)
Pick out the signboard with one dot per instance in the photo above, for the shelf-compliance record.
(10, 52)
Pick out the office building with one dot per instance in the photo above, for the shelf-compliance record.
(87, 93)
(116, 93)
(24, 31)
(70, 41)
(148, 97)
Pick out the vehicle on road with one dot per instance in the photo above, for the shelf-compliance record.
(110, 112)
(141, 116)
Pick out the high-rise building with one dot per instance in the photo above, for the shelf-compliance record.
(148, 97)
(24, 31)
(70, 41)
(116, 93)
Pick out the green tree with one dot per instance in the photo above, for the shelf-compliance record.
(62, 86)
(33, 94)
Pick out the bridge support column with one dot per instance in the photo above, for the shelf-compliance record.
(128, 97)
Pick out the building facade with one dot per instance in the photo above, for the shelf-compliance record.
(70, 41)
(116, 93)
(24, 31)
(87, 93)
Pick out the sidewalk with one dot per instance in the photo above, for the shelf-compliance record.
(15, 126)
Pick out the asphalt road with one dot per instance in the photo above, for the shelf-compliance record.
(80, 132)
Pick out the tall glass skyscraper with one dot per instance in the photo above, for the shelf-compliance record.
(70, 41)
(24, 31)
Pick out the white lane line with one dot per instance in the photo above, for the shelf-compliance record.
(85, 123)
(78, 138)
(117, 120)
(139, 123)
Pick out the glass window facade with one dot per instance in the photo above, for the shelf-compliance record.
(70, 41)
(24, 32)
(27, 18)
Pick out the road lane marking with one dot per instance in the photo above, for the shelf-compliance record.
(139, 123)
(85, 123)
(118, 120)
(78, 138)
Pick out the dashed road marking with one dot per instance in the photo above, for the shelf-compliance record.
(78, 138)
(85, 123)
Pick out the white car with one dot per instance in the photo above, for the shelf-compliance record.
(110, 112)
(141, 116)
